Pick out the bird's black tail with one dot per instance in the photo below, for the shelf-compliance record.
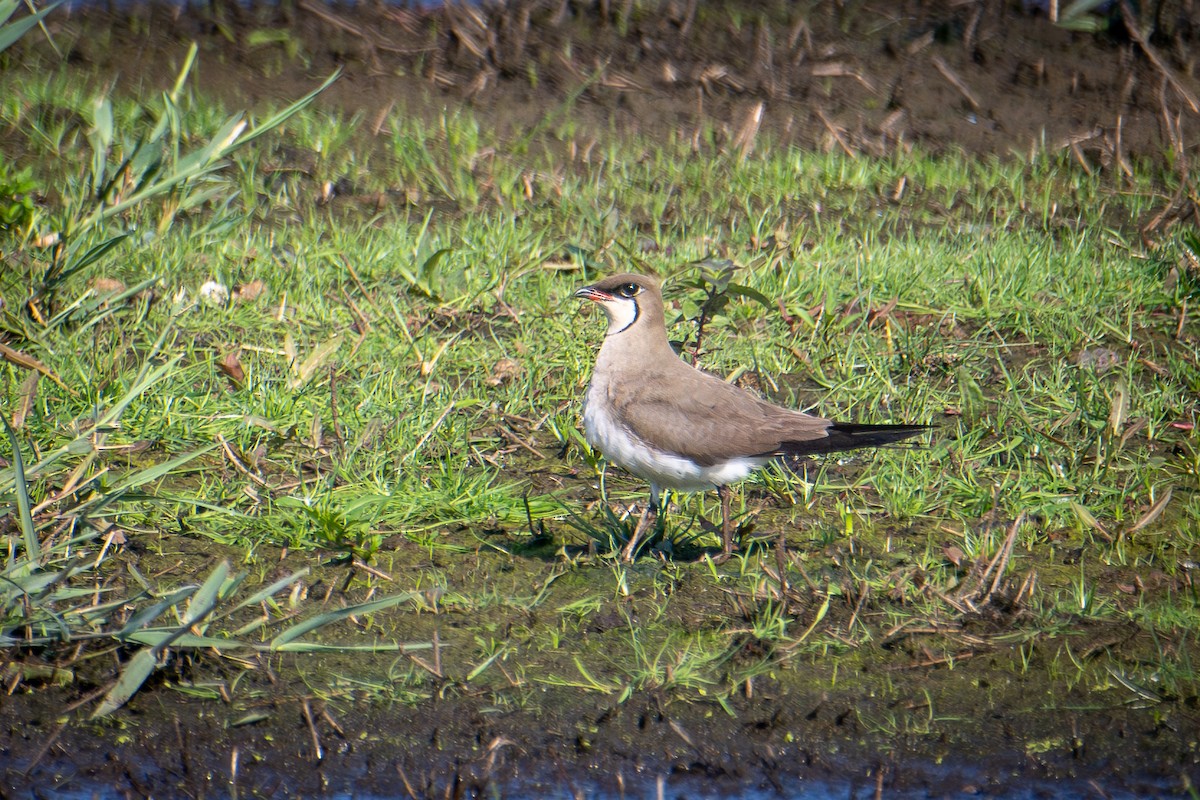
(852, 435)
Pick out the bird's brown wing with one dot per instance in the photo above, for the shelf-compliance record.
(701, 417)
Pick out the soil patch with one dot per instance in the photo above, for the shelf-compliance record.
(988, 78)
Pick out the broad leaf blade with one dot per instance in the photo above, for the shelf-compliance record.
(749, 293)
(135, 673)
(316, 359)
(9, 34)
(268, 591)
(162, 637)
(296, 631)
(282, 117)
(382, 647)
(157, 471)
(206, 597)
(152, 611)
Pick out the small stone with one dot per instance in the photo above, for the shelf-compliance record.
(214, 293)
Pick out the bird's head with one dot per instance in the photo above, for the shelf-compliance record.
(626, 299)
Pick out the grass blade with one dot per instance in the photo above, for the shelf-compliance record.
(74, 265)
(33, 549)
(821, 612)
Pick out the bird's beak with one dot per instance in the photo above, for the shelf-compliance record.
(593, 294)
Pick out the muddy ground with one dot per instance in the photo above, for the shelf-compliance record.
(866, 77)
(987, 77)
(942, 711)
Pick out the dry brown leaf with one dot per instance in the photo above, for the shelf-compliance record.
(1154, 512)
(1088, 520)
(292, 354)
(249, 292)
(133, 448)
(1118, 407)
(29, 362)
(317, 359)
(748, 133)
(231, 367)
(25, 397)
(107, 286)
(505, 370)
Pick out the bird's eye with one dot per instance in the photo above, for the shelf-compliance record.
(629, 290)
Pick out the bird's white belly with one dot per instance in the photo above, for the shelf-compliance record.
(661, 468)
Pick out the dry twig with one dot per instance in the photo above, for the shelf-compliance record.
(958, 83)
(835, 133)
(1135, 33)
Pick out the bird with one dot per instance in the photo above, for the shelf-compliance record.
(680, 428)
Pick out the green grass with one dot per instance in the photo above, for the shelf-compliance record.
(410, 378)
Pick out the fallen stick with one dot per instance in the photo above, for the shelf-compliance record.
(1136, 34)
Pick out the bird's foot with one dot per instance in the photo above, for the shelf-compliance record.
(726, 554)
(629, 552)
(645, 522)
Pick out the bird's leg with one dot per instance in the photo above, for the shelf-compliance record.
(645, 522)
(726, 524)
